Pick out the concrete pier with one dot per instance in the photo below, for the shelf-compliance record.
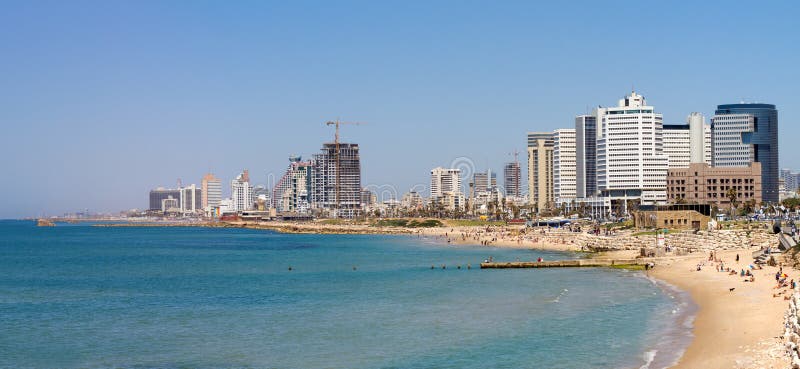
(563, 263)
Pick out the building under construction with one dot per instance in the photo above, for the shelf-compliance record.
(336, 180)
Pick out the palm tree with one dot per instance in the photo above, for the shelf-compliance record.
(732, 196)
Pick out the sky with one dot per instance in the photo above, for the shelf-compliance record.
(100, 101)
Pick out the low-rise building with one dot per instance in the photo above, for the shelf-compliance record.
(694, 216)
(703, 184)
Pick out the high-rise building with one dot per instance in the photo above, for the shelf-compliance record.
(158, 195)
(790, 182)
(688, 143)
(678, 145)
(630, 152)
(481, 181)
(291, 193)
(709, 154)
(564, 165)
(242, 192)
(585, 156)
(745, 133)
(699, 137)
(540, 169)
(211, 188)
(336, 180)
(445, 180)
(369, 198)
(446, 188)
(190, 199)
(512, 176)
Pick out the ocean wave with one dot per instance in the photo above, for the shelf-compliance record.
(648, 357)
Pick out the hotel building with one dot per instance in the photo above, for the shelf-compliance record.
(631, 163)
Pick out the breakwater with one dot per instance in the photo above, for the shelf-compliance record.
(564, 263)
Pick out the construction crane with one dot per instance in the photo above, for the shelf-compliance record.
(516, 155)
(338, 162)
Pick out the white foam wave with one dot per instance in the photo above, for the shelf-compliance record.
(648, 357)
(558, 298)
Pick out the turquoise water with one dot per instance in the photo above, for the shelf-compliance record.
(82, 296)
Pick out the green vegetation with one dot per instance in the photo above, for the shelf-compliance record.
(627, 266)
(408, 223)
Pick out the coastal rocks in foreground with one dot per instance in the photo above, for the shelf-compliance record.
(791, 333)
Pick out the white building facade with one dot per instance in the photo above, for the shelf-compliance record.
(631, 163)
(564, 165)
(242, 192)
(445, 180)
(446, 188)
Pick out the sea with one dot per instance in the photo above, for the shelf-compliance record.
(80, 296)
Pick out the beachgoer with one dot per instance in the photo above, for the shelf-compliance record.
(737, 258)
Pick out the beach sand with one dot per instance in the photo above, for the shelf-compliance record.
(733, 329)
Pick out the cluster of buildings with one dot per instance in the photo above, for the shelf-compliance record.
(327, 185)
(789, 182)
(614, 158)
(623, 155)
(483, 197)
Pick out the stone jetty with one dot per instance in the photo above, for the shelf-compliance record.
(564, 263)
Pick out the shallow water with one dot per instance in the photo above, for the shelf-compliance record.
(81, 296)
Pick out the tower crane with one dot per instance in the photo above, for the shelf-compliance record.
(338, 161)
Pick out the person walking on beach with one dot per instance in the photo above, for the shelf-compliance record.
(737, 258)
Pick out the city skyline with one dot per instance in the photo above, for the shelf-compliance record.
(134, 110)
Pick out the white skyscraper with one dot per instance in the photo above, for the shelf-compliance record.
(445, 180)
(190, 199)
(678, 145)
(446, 188)
(630, 152)
(564, 165)
(697, 136)
(242, 192)
(708, 152)
(688, 143)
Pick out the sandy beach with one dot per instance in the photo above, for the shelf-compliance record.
(733, 329)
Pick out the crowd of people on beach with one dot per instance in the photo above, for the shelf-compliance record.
(492, 235)
(784, 285)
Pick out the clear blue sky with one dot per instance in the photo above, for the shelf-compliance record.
(101, 101)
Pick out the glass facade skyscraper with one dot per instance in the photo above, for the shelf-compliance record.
(745, 133)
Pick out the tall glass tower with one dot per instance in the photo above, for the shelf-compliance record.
(745, 133)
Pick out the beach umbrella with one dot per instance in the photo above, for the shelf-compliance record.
(752, 267)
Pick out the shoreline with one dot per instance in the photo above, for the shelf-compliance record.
(731, 329)
(668, 350)
(726, 329)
